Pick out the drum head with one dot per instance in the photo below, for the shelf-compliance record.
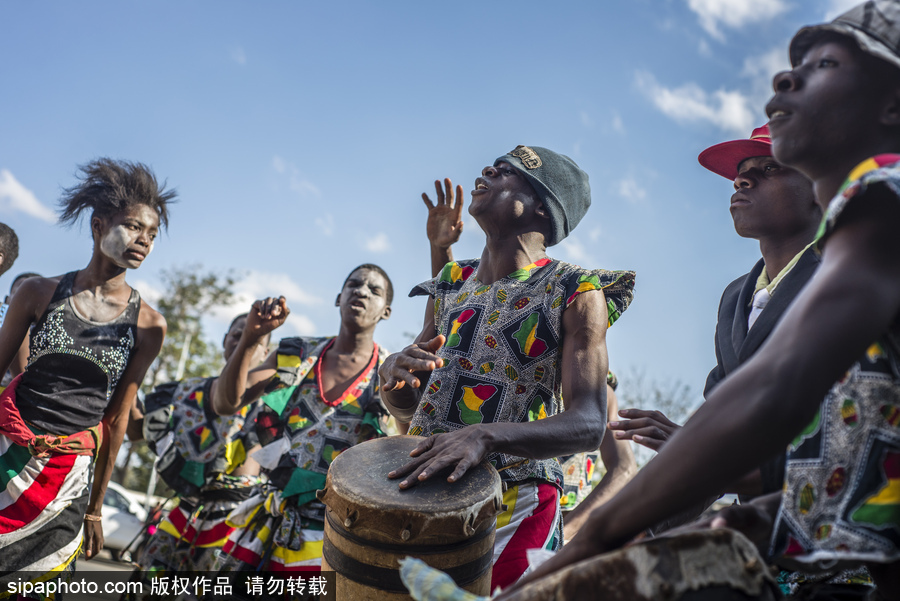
(359, 475)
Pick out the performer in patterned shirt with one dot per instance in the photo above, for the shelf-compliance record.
(204, 459)
(826, 384)
(321, 397)
(506, 337)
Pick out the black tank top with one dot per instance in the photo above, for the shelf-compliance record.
(74, 364)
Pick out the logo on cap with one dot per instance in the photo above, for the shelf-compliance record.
(529, 158)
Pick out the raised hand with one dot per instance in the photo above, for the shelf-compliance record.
(444, 224)
(648, 428)
(265, 316)
(400, 369)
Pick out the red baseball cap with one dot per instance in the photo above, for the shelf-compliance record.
(725, 158)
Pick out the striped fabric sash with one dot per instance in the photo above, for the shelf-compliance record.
(42, 445)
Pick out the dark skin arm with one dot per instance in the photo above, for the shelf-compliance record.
(652, 429)
(444, 225)
(238, 384)
(618, 459)
(135, 429)
(151, 332)
(854, 299)
(580, 427)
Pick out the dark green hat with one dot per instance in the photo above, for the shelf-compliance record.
(560, 184)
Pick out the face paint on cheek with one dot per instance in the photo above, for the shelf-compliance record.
(116, 242)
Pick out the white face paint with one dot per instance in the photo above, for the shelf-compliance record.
(129, 238)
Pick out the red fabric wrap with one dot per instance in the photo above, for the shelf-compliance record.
(42, 445)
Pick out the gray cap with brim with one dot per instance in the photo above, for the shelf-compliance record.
(560, 184)
(875, 25)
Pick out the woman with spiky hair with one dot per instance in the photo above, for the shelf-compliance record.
(63, 419)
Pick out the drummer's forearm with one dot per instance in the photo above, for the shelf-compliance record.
(563, 434)
(401, 403)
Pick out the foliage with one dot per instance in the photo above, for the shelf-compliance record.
(675, 399)
(190, 294)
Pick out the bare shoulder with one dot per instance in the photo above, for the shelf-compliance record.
(37, 292)
(151, 325)
(588, 306)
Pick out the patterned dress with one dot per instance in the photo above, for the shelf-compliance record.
(280, 528)
(198, 450)
(841, 501)
(502, 364)
(49, 418)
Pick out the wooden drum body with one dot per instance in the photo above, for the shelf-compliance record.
(704, 565)
(371, 524)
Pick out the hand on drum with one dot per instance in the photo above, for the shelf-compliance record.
(400, 369)
(459, 451)
(648, 428)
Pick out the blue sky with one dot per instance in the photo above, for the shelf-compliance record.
(300, 136)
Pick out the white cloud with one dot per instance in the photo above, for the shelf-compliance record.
(618, 125)
(727, 109)
(765, 66)
(629, 189)
(704, 49)
(149, 292)
(261, 284)
(586, 119)
(377, 244)
(239, 56)
(714, 14)
(325, 223)
(16, 197)
(297, 182)
(574, 249)
(595, 233)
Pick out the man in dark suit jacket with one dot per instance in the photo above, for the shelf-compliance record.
(775, 205)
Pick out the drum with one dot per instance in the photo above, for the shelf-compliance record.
(371, 524)
(705, 565)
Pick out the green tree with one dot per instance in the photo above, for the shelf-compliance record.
(191, 293)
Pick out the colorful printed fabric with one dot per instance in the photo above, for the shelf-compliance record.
(842, 486)
(270, 534)
(45, 486)
(503, 343)
(307, 433)
(192, 533)
(42, 507)
(194, 444)
(532, 520)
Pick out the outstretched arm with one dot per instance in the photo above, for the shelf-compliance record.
(151, 332)
(853, 300)
(579, 428)
(444, 225)
(618, 459)
(238, 385)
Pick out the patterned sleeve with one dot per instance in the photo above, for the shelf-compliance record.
(617, 286)
(291, 356)
(883, 170)
(451, 277)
